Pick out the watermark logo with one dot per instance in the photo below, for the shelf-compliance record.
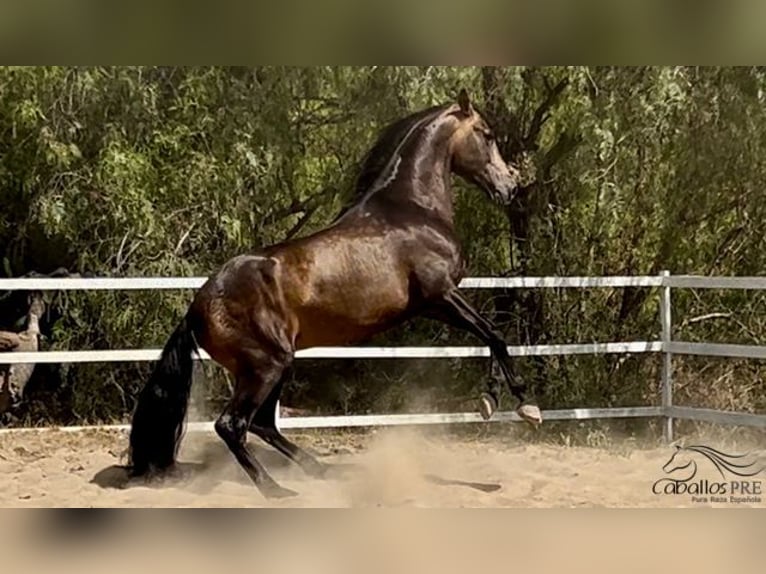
(709, 475)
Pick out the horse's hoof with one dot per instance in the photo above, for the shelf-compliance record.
(276, 492)
(531, 414)
(487, 406)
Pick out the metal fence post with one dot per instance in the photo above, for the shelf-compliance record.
(667, 356)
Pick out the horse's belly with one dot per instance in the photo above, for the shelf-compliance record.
(344, 290)
(332, 333)
(352, 322)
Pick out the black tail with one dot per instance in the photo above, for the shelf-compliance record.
(158, 420)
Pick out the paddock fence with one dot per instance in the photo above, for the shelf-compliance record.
(667, 346)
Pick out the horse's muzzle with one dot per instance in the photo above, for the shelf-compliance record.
(501, 182)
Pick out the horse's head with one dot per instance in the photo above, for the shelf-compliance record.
(475, 155)
(679, 460)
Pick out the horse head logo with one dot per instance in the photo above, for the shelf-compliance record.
(684, 458)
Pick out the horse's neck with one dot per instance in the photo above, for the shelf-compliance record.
(433, 190)
(423, 176)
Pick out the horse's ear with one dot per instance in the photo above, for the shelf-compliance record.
(465, 102)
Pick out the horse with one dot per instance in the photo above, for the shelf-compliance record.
(389, 256)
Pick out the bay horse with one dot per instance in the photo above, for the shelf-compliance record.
(390, 256)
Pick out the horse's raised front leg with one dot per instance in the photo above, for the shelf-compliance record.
(454, 310)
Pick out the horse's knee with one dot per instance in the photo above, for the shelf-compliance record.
(230, 431)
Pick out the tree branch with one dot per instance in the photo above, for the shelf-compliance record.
(504, 121)
(296, 207)
(301, 223)
(542, 113)
(565, 144)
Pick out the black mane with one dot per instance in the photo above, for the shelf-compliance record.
(393, 136)
(381, 155)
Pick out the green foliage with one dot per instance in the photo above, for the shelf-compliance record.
(170, 171)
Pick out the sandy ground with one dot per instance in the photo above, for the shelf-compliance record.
(392, 468)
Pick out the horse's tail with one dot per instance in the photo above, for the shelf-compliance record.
(157, 425)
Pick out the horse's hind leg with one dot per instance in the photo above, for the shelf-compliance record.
(253, 387)
(264, 425)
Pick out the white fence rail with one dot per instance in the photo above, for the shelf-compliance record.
(143, 355)
(666, 345)
(154, 283)
(349, 421)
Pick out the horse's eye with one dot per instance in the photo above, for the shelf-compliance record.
(487, 134)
